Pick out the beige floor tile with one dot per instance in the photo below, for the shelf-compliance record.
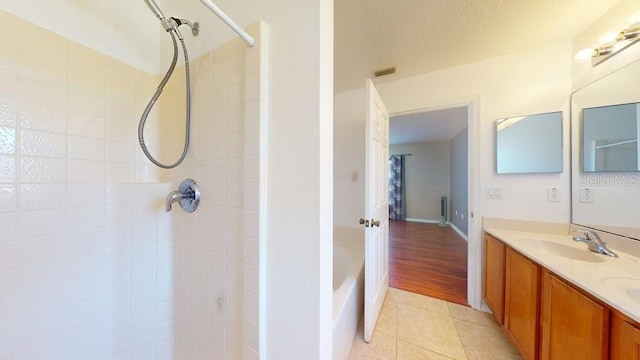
(420, 301)
(485, 343)
(407, 351)
(381, 347)
(466, 313)
(429, 330)
(388, 319)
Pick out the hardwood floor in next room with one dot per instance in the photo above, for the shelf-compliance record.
(428, 259)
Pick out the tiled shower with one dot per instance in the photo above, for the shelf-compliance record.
(91, 267)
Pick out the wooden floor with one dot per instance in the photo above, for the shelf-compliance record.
(428, 259)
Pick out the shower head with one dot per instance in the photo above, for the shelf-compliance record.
(154, 9)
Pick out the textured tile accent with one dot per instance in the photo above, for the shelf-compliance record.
(151, 284)
(7, 140)
(7, 169)
(44, 144)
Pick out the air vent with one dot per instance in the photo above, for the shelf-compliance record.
(383, 72)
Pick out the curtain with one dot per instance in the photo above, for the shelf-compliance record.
(397, 207)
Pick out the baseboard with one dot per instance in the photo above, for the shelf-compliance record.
(462, 235)
(423, 220)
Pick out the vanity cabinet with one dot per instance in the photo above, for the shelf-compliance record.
(494, 276)
(522, 290)
(572, 325)
(625, 338)
(546, 317)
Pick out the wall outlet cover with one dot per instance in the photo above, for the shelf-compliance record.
(586, 195)
(553, 194)
(494, 192)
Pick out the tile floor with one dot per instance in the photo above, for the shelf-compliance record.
(413, 326)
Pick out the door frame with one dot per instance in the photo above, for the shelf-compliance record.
(474, 199)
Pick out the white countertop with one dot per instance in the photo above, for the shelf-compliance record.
(615, 281)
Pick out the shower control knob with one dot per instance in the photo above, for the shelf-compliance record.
(364, 222)
(375, 223)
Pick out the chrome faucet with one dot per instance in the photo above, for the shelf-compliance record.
(174, 196)
(594, 243)
(187, 195)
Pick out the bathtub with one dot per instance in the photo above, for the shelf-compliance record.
(348, 288)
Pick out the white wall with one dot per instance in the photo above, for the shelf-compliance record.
(348, 157)
(527, 82)
(298, 250)
(427, 177)
(122, 29)
(217, 263)
(459, 181)
(623, 14)
(533, 81)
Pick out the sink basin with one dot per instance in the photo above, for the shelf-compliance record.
(565, 251)
(630, 286)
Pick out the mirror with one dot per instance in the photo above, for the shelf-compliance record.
(529, 144)
(605, 185)
(610, 138)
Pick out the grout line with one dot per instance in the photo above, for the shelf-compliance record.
(464, 349)
(397, 327)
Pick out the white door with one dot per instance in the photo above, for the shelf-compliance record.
(376, 268)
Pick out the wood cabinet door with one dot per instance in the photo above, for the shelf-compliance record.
(625, 340)
(522, 291)
(493, 293)
(572, 325)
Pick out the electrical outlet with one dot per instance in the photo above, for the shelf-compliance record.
(553, 194)
(586, 195)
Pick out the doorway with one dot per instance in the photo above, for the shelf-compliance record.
(428, 236)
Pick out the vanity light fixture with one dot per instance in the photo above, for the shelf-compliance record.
(624, 39)
(629, 33)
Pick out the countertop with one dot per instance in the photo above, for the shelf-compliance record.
(614, 281)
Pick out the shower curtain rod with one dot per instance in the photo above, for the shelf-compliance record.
(227, 20)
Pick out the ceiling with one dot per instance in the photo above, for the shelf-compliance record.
(420, 36)
(436, 125)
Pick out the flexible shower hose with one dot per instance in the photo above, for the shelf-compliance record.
(155, 97)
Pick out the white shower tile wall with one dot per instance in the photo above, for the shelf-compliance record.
(217, 248)
(82, 246)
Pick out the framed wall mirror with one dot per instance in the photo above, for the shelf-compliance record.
(605, 126)
(610, 138)
(529, 144)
